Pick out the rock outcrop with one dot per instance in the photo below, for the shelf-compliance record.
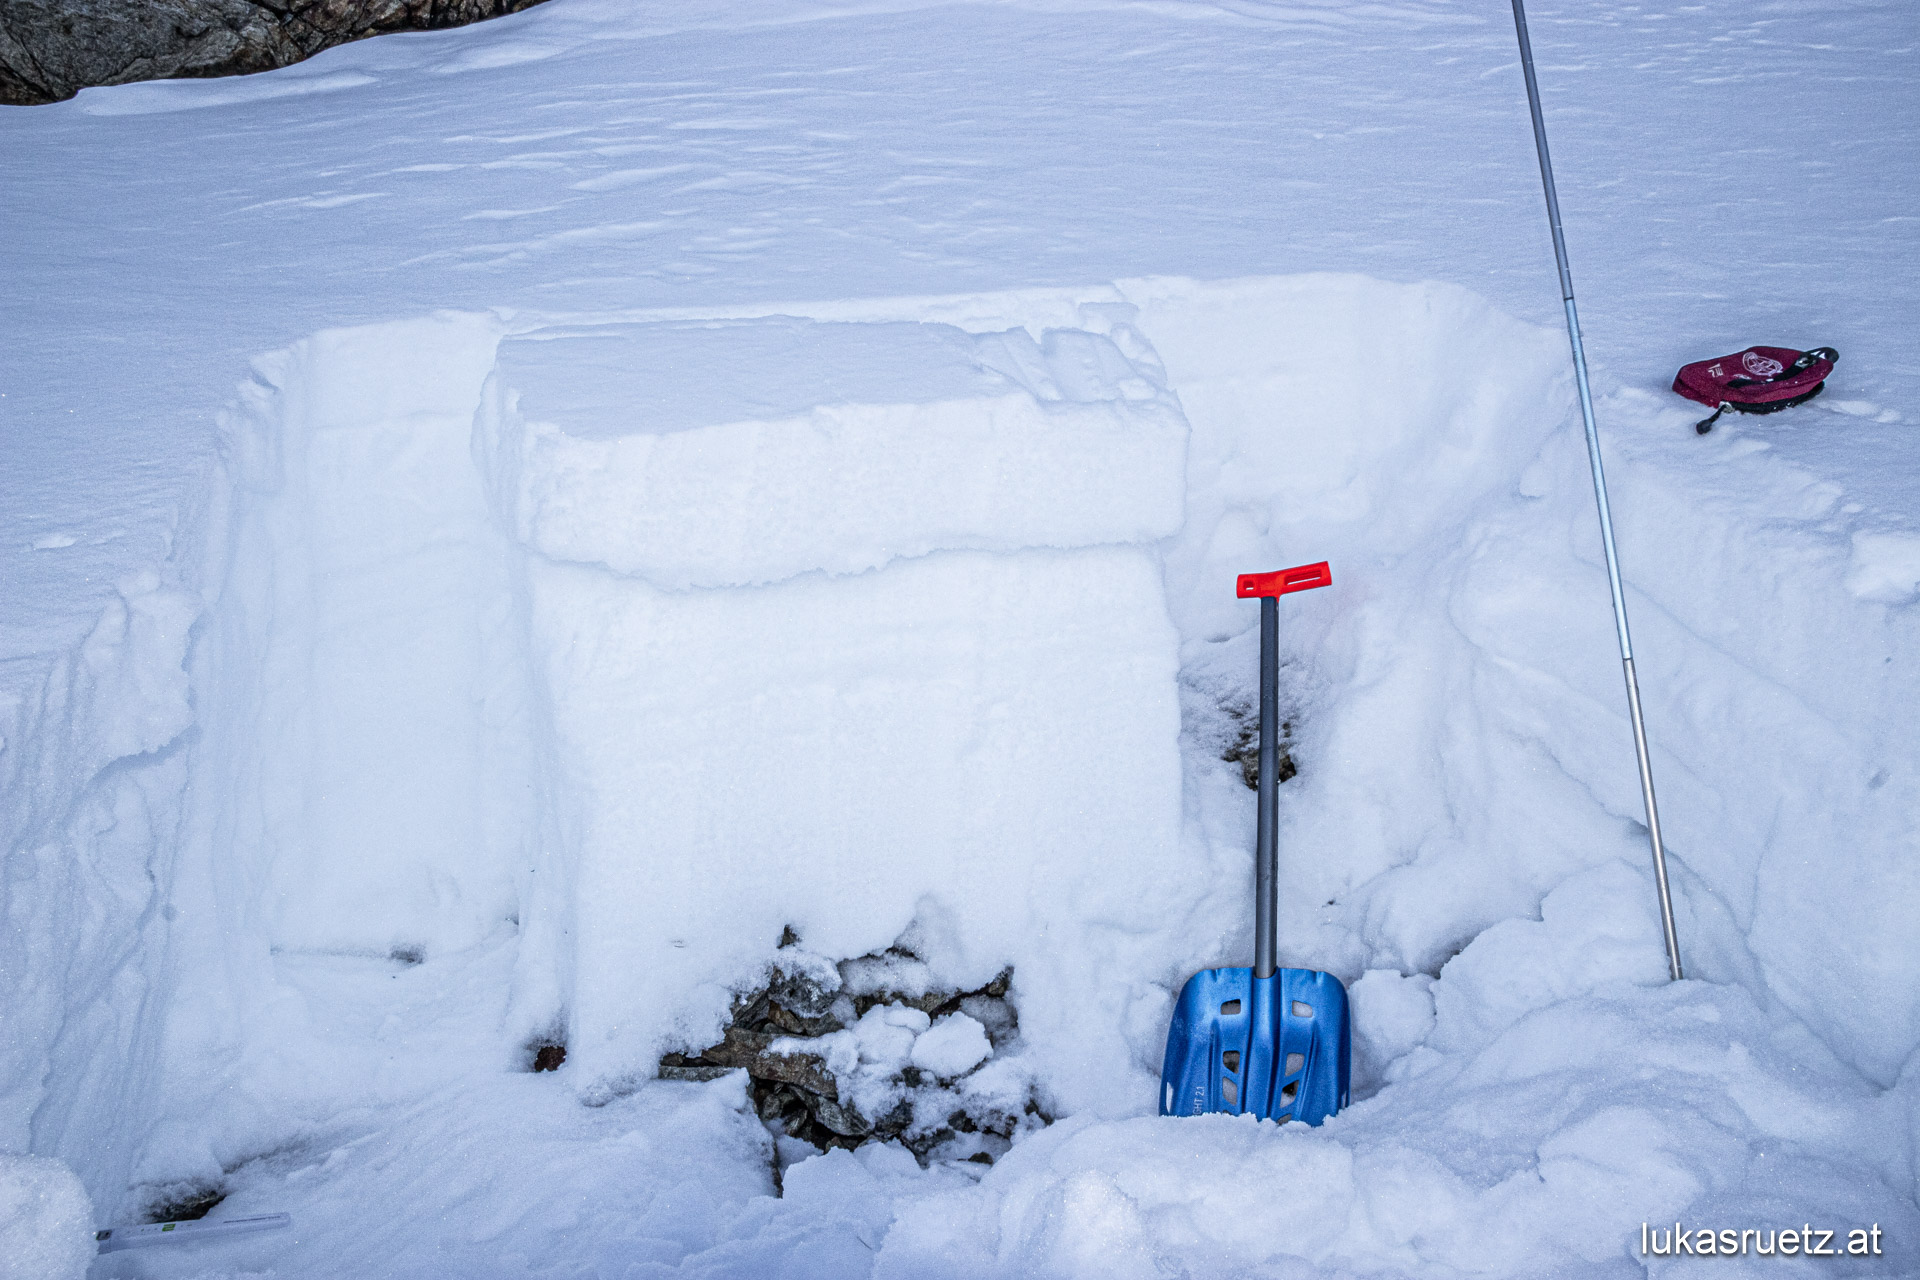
(52, 49)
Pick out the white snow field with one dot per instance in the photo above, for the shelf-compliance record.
(510, 533)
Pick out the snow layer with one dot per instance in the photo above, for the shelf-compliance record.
(324, 777)
(833, 446)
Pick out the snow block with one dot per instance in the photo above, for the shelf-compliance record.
(966, 724)
(729, 453)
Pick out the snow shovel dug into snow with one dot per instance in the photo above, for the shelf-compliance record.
(1265, 1041)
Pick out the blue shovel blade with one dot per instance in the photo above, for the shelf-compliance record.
(1279, 1048)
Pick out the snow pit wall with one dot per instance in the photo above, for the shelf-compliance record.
(387, 748)
(1467, 748)
(358, 773)
(526, 677)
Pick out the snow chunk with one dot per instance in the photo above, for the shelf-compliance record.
(46, 1219)
(888, 973)
(744, 452)
(136, 658)
(887, 1033)
(1886, 567)
(1391, 1015)
(952, 1047)
(1597, 932)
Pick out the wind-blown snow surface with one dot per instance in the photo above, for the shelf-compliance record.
(437, 700)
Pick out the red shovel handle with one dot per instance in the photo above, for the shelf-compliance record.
(1302, 578)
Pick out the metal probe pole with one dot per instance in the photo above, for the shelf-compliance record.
(1599, 492)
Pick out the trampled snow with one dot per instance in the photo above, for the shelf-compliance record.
(510, 529)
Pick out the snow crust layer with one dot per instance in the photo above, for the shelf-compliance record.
(734, 453)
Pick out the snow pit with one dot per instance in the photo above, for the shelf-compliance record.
(487, 755)
(840, 655)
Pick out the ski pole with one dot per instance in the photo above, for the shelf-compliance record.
(1599, 492)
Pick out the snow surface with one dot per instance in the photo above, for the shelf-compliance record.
(700, 472)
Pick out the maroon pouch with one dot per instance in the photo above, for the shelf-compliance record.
(1756, 380)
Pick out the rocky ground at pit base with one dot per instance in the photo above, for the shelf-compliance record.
(868, 1050)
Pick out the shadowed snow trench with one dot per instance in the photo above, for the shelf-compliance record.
(554, 671)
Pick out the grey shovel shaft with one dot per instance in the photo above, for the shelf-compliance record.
(1599, 493)
(1266, 855)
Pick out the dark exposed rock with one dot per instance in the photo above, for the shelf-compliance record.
(750, 1049)
(182, 1201)
(793, 1024)
(52, 49)
(1220, 709)
(845, 1121)
(546, 1050)
(1244, 750)
(804, 994)
(797, 1093)
(677, 1066)
(992, 1012)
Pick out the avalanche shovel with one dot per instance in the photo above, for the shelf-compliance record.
(1265, 1041)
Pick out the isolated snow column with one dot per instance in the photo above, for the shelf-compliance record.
(843, 627)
